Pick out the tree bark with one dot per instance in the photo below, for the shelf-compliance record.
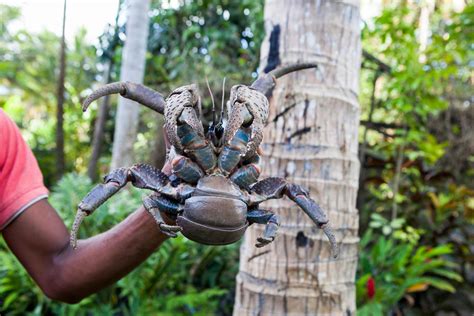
(60, 160)
(158, 154)
(103, 111)
(312, 140)
(132, 69)
(99, 126)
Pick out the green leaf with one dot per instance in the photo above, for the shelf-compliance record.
(440, 284)
(9, 299)
(448, 274)
(386, 230)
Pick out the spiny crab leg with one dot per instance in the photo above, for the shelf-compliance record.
(140, 175)
(133, 91)
(80, 215)
(276, 188)
(267, 82)
(332, 240)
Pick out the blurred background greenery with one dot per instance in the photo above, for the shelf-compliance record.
(416, 193)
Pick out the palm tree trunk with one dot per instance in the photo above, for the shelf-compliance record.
(60, 160)
(311, 139)
(132, 69)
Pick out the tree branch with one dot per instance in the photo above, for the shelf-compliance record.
(381, 65)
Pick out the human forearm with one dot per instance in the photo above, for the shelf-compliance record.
(101, 260)
(70, 275)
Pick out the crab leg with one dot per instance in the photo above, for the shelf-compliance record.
(233, 152)
(133, 91)
(267, 82)
(247, 175)
(276, 188)
(197, 147)
(140, 175)
(154, 204)
(264, 217)
(186, 169)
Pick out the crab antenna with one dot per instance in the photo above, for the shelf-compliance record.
(213, 104)
(223, 100)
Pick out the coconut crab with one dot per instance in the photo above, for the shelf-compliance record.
(213, 192)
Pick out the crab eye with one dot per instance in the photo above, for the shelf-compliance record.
(219, 130)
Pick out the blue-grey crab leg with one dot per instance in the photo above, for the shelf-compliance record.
(248, 174)
(186, 169)
(276, 188)
(140, 175)
(233, 152)
(196, 146)
(272, 221)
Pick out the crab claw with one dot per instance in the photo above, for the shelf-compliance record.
(182, 106)
(247, 107)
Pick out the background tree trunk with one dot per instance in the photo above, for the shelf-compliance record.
(103, 111)
(311, 140)
(132, 69)
(60, 160)
(158, 154)
(99, 126)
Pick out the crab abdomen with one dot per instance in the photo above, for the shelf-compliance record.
(213, 220)
(215, 214)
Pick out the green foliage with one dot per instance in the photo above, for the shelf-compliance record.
(28, 71)
(417, 179)
(398, 269)
(182, 277)
(194, 40)
(205, 38)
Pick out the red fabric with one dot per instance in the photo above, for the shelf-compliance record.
(21, 181)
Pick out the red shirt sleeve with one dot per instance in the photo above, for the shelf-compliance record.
(21, 181)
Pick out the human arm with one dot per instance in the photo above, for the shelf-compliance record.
(40, 240)
(38, 237)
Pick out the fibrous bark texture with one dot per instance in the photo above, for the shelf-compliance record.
(311, 139)
(132, 69)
